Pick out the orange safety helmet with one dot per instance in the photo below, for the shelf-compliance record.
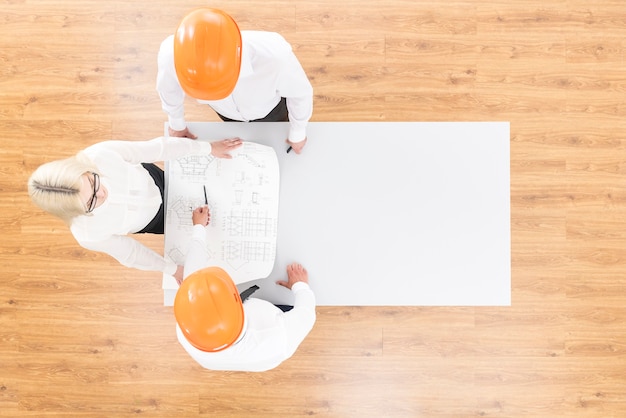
(207, 54)
(208, 310)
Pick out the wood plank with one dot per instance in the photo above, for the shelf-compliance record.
(81, 336)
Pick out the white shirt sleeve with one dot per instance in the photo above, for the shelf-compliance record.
(300, 320)
(131, 253)
(158, 149)
(171, 93)
(294, 85)
(197, 256)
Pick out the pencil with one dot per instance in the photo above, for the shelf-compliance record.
(206, 201)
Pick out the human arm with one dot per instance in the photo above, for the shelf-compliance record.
(178, 275)
(197, 256)
(296, 146)
(130, 253)
(294, 85)
(222, 149)
(166, 148)
(300, 320)
(185, 133)
(170, 92)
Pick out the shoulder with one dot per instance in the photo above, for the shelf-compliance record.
(85, 230)
(268, 41)
(254, 305)
(167, 44)
(93, 152)
(261, 314)
(100, 150)
(166, 51)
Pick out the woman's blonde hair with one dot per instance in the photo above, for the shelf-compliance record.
(55, 186)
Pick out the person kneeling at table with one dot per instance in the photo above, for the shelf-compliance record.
(223, 332)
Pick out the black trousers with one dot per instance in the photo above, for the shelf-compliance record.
(278, 114)
(157, 224)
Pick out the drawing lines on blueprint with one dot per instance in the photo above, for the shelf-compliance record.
(242, 195)
(250, 223)
(250, 160)
(176, 255)
(248, 250)
(195, 165)
(181, 206)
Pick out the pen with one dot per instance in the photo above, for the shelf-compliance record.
(288, 149)
(206, 201)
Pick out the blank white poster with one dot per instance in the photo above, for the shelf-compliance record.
(389, 213)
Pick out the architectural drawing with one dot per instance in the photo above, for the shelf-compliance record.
(194, 166)
(242, 195)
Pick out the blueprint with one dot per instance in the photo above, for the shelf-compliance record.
(242, 195)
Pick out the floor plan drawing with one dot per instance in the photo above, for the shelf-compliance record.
(194, 166)
(242, 195)
(250, 222)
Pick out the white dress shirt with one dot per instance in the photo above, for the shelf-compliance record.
(269, 71)
(271, 336)
(133, 198)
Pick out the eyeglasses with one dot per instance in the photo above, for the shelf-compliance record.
(91, 204)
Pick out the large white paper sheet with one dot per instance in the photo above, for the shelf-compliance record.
(390, 213)
(242, 195)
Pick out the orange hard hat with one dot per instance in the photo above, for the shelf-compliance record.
(208, 310)
(207, 54)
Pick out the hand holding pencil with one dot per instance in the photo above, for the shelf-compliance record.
(201, 215)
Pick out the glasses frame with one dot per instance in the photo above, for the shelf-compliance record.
(91, 203)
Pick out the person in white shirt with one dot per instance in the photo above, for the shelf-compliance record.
(242, 75)
(221, 331)
(112, 189)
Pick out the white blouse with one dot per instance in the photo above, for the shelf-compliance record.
(133, 198)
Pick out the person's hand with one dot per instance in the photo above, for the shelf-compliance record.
(179, 275)
(181, 134)
(221, 149)
(201, 216)
(296, 146)
(295, 273)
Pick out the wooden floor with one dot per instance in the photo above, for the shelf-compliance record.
(81, 336)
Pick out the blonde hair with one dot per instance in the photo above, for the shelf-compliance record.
(55, 186)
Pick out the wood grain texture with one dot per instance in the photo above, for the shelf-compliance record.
(81, 336)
